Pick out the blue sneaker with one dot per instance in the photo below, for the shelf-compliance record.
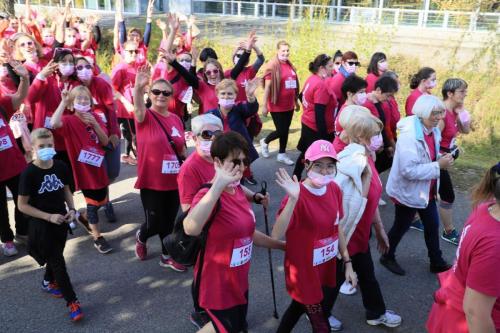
(75, 312)
(52, 288)
(452, 237)
(417, 225)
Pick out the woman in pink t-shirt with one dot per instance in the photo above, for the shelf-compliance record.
(421, 82)
(456, 120)
(468, 299)
(378, 66)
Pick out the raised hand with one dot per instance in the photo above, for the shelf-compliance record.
(19, 69)
(290, 185)
(226, 174)
(167, 55)
(65, 94)
(143, 77)
(173, 22)
(149, 11)
(161, 24)
(251, 40)
(251, 86)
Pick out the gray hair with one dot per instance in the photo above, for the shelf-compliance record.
(390, 74)
(198, 122)
(425, 104)
(451, 85)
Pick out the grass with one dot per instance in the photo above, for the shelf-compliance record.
(480, 148)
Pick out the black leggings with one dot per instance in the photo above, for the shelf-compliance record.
(127, 127)
(317, 314)
(6, 234)
(55, 271)
(282, 121)
(160, 210)
(446, 193)
(371, 294)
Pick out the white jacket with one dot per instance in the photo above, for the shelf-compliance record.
(351, 163)
(412, 169)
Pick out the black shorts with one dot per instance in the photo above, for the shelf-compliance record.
(232, 320)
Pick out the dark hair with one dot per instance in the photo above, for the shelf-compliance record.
(61, 53)
(373, 66)
(488, 188)
(386, 84)
(337, 54)
(391, 74)
(423, 74)
(206, 53)
(450, 85)
(349, 55)
(319, 61)
(228, 143)
(353, 84)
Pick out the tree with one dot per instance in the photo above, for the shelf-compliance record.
(7, 6)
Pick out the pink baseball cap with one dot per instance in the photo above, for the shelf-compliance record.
(319, 149)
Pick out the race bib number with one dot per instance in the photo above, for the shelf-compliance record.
(325, 250)
(47, 123)
(242, 252)
(170, 165)
(291, 84)
(18, 117)
(90, 157)
(5, 143)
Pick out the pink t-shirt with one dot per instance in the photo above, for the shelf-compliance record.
(288, 89)
(450, 130)
(12, 159)
(208, 96)
(157, 164)
(370, 80)
(316, 92)
(410, 101)
(123, 81)
(246, 75)
(195, 171)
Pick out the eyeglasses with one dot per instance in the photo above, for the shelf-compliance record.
(238, 162)
(214, 72)
(207, 135)
(132, 51)
(437, 113)
(354, 63)
(338, 63)
(24, 44)
(157, 92)
(330, 167)
(81, 67)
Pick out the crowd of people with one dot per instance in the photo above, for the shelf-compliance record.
(63, 121)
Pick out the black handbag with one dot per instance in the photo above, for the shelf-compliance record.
(183, 248)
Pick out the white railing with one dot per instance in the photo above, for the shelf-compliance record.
(84, 6)
(342, 14)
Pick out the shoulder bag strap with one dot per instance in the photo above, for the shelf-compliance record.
(169, 138)
(381, 115)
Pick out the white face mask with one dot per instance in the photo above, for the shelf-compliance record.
(431, 84)
(205, 146)
(186, 64)
(85, 74)
(66, 69)
(382, 66)
(226, 103)
(350, 69)
(234, 184)
(282, 58)
(81, 108)
(360, 98)
(318, 179)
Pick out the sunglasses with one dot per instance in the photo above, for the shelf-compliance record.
(354, 63)
(81, 67)
(238, 162)
(214, 72)
(157, 92)
(24, 44)
(132, 51)
(207, 135)
(338, 63)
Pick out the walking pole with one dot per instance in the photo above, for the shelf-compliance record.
(263, 191)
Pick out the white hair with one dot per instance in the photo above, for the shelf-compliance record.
(425, 104)
(198, 122)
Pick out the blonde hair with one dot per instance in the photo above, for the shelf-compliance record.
(281, 43)
(358, 123)
(41, 133)
(226, 83)
(77, 91)
(17, 52)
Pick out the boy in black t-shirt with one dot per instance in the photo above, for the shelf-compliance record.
(44, 194)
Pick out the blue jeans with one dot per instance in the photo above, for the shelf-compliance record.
(112, 160)
(430, 220)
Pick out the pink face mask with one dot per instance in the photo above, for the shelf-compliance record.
(350, 69)
(382, 66)
(464, 117)
(318, 179)
(66, 69)
(360, 98)
(81, 108)
(234, 184)
(85, 74)
(431, 84)
(376, 142)
(48, 40)
(226, 103)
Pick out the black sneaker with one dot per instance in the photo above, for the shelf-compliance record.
(101, 244)
(199, 319)
(109, 212)
(250, 180)
(438, 268)
(392, 265)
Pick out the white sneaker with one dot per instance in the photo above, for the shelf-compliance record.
(335, 324)
(389, 319)
(9, 249)
(264, 148)
(382, 202)
(283, 158)
(347, 289)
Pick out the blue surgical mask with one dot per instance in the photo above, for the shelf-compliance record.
(45, 154)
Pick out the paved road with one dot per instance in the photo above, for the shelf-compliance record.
(121, 294)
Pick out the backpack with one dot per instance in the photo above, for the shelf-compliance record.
(183, 248)
(254, 125)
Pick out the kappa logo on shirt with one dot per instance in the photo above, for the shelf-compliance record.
(50, 184)
(175, 132)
